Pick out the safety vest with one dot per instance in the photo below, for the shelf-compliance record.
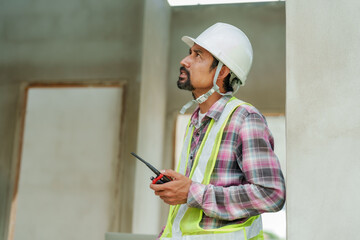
(183, 221)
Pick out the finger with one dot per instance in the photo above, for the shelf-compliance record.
(160, 193)
(169, 201)
(164, 200)
(171, 173)
(153, 186)
(157, 187)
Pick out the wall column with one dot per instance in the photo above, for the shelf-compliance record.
(152, 113)
(323, 119)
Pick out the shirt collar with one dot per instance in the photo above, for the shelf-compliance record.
(214, 112)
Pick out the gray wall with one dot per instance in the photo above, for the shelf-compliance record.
(64, 41)
(77, 40)
(323, 119)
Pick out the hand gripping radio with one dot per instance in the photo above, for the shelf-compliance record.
(160, 178)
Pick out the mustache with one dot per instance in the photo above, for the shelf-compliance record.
(182, 68)
(185, 82)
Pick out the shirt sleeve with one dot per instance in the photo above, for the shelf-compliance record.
(264, 187)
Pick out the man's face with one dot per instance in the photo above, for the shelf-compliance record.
(195, 73)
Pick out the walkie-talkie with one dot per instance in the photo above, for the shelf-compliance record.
(160, 178)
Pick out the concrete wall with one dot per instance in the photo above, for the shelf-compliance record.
(69, 40)
(323, 119)
(76, 40)
(152, 114)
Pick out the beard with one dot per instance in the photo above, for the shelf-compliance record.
(185, 83)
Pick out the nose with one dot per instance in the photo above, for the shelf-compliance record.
(185, 62)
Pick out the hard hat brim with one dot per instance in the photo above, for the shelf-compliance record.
(188, 40)
(191, 41)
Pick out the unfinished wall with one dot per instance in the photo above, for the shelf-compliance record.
(66, 41)
(152, 114)
(323, 119)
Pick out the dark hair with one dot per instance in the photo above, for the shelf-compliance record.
(226, 84)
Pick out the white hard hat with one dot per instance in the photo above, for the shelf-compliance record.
(232, 48)
(229, 45)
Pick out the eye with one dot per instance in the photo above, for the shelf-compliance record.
(195, 53)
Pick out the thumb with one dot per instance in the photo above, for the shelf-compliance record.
(171, 173)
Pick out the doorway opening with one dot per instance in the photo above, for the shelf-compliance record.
(68, 167)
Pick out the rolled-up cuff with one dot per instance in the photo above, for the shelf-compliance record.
(196, 195)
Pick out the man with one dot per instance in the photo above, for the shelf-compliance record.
(228, 173)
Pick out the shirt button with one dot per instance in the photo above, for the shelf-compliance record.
(197, 134)
(191, 157)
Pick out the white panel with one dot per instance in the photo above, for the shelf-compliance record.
(181, 124)
(207, 2)
(71, 143)
(276, 222)
(277, 127)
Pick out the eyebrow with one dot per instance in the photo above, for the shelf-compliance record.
(198, 51)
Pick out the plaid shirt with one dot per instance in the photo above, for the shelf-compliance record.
(247, 179)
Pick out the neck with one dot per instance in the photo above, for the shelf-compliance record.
(205, 106)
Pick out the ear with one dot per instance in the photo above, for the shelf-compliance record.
(222, 75)
(223, 72)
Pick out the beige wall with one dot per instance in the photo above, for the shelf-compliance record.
(323, 119)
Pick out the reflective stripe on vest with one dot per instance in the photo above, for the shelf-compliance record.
(183, 222)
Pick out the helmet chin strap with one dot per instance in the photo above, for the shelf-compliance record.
(206, 95)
